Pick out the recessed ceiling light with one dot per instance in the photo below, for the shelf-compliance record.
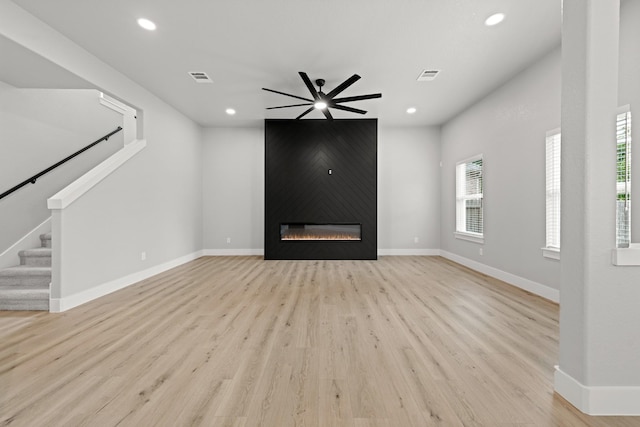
(230, 111)
(494, 19)
(146, 24)
(320, 105)
(411, 110)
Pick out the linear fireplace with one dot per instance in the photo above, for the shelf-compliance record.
(339, 232)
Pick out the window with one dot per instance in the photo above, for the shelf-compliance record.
(552, 149)
(469, 189)
(623, 181)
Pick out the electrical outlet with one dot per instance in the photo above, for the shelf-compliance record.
(415, 239)
(143, 256)
(480, 251)
(228, 239)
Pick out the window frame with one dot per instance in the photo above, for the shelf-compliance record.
(553, 156)
(461, 199)
(623, 188)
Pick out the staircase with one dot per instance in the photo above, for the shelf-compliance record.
(26, 286)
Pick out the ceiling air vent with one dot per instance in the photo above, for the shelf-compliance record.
(200, 77)
(428, 75)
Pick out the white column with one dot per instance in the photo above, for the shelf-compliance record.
(599, 364)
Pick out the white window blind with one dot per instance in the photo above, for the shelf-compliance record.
(553, 189)
(469, 195)
(623, 181)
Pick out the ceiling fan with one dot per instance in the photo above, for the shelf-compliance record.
(323, 101)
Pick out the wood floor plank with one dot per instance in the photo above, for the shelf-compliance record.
(244, 342)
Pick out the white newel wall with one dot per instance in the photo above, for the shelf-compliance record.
(599, 338)
(39, 127)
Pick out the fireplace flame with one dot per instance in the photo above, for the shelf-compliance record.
(318, 235)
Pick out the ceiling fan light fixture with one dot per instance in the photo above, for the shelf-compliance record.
(325, 101)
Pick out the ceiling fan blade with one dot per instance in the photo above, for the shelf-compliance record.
(305, 113)
(342, 86)
(287, 94)
(287, 106)
(309, 85)
(357, 98)
(327, 114)
(351, 110)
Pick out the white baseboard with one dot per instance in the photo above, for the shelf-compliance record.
(599, 400)
(58, 305)
(528, 285)
(232, 252)
(31, 240)
(408, 252)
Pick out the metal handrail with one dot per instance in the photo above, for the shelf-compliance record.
(35, 177)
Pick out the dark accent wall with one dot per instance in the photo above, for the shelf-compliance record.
(299, 188)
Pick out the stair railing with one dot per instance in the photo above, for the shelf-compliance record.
(35, 177)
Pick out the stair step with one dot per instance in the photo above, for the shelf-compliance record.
(24, 298)
(45, 240)
(26, 286)
(24, 275)
(38, 257)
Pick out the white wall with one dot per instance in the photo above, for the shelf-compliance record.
(508, 127)
(510, 124)
(233, 190)
(152, 204)
(39, 127)
(408, 190)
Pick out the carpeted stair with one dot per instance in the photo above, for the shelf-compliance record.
(26, 286)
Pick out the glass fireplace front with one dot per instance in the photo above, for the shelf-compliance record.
(311, 231)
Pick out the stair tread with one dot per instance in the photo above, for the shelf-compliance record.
(22, 290)
(36, 252)
(24, 299)
(25, 270)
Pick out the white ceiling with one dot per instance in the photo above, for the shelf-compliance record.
(245, 45)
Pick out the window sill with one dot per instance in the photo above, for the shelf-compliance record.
(471, 237)
(551, 253)
(626, 256)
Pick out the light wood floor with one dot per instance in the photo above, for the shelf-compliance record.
(238, 341)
